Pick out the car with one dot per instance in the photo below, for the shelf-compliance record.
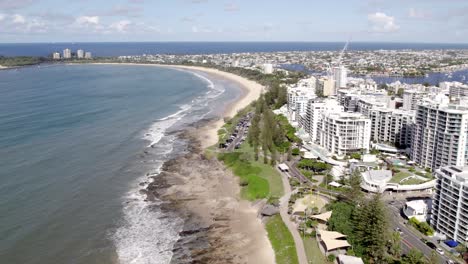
(431, 245)
(440, 251)
(450, 262)
(398, 230)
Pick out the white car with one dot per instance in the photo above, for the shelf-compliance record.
(440, 251)
(450, 261)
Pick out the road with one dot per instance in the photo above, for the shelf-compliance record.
(408, 238)
(284, 203)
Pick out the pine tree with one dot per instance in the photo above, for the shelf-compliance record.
(354, 193)
(372, 228)
(395, 245)
(289, 157)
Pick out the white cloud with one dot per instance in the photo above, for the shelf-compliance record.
(87, 20)
(18, 19)
(382, 23)
(2, 17)
(121, 26)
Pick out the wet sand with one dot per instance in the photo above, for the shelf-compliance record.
(219, 227)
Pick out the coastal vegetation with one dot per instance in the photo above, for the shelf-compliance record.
(281, 241)
(20, 61)
(365, 224)
(258, 180)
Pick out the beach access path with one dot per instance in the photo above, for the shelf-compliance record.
(284, 203)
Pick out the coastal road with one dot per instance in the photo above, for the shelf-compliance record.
(284, 203)
(409, 240)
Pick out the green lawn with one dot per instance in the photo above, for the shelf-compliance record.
(281, 240)
(314, 255)
(267, 172)
(413, 181)
(399, 176)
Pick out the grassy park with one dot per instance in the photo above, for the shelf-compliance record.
(282, 241)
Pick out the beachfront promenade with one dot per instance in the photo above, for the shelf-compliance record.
(284, 202)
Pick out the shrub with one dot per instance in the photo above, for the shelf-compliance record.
(422, 227)
(331, 258)
(295, 151)
(355, 156)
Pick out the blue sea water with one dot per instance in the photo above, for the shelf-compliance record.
(105, 49)
(77, 143)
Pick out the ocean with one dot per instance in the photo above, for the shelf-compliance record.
(107, 49)
(78, 143)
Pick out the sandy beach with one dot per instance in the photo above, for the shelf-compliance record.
(251, 92)
(219, 227)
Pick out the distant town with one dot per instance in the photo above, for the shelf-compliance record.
(68, 54)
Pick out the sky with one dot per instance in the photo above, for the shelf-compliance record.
(438, 21)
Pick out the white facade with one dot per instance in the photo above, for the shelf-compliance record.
(342, 133)
(418, 209)
(439, 135)
(456, 89)
(67, 54)
(298, 98)
(450, 203)
(411, 99)
(80, 54)
(56, 56)
(268, 68)
(88, 55)
(315, 110)
(340, 75)
(392, 126)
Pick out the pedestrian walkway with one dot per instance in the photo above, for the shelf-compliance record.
(284, 201)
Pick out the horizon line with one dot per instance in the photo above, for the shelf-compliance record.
(235, 41)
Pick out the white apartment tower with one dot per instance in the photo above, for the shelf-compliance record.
(392, 126)
(411, 99)
(439, 135)
(340, 75)
(298, 98)
(88, 55)
(315, 111)
(67, 54)
(56, 56)
(450, 203)
(342, 133)
(80, 54)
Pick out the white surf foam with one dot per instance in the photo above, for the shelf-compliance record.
(147, 235)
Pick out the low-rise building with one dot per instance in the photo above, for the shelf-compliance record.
(418, 209)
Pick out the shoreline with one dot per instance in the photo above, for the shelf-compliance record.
(218, 226)
(251, 91)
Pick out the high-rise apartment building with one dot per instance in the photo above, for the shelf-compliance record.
(450, 203)
(80, 54)
(342, 133)
(439, 135)
(67, 54)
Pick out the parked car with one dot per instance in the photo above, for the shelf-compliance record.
(450, 261)
(440, 251)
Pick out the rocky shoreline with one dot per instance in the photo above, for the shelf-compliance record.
(218, 226)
